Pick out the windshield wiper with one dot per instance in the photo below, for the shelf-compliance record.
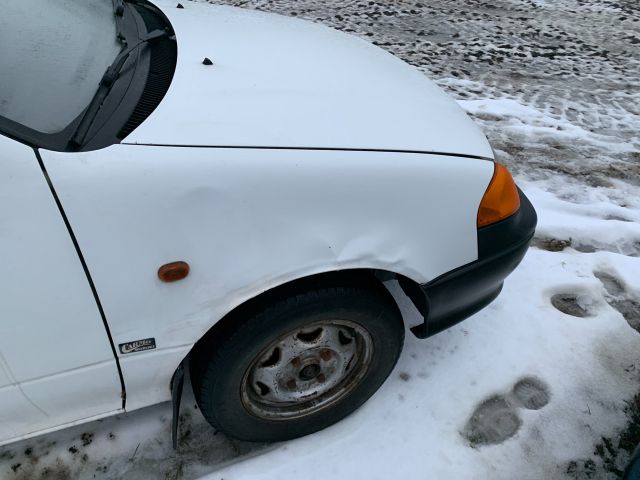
(108, 79)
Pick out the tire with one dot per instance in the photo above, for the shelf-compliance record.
(300, 364)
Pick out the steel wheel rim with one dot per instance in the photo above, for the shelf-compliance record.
(307, 370)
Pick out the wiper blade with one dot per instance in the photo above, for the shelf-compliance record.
(108, 79)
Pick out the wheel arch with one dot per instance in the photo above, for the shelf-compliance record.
(369, 277)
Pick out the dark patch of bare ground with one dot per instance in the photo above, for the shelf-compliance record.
(30, 470)
(599, 175)
(628, 247)
(33, 462)
(611, 455)
(551, 244)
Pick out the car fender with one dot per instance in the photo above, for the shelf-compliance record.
(247, 220)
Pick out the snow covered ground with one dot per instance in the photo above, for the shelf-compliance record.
(537, 385)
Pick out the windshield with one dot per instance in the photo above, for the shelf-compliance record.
(53, 54)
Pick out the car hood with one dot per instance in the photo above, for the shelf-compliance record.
(281, 82)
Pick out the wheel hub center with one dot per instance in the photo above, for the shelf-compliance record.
(309, 372)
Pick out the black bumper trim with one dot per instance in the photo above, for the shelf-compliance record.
(460, 293)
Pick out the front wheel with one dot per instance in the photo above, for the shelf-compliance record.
(299, 365)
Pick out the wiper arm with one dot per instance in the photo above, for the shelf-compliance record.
(118, 13)
(112, 72)
(118, 7)
(108, 79)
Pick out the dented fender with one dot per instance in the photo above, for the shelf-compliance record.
(246, 221)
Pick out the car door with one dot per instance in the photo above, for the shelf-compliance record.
(56, 361)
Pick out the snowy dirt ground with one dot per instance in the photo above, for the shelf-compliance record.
(541, 384)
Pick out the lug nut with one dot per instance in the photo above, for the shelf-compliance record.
(296, 362)
(321, 378)
(325, 355)
(291, 384)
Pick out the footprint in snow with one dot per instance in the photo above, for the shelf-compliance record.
(618, 218)
(531, 393)
(496, 419)
(611, 284)
(572, 304)
(616, 296)
(627, 247)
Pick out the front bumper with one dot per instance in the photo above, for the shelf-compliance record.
(460, 293)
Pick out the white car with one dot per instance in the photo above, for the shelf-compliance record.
(227, 192)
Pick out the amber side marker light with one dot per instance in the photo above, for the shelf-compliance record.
(501, 200)
(172, 272)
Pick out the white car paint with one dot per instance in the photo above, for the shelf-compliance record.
(246, 219)
(53, 343)
(278, 81)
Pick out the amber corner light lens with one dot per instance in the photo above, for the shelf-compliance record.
(501, 200)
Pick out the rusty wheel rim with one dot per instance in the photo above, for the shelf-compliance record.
(307, 370)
